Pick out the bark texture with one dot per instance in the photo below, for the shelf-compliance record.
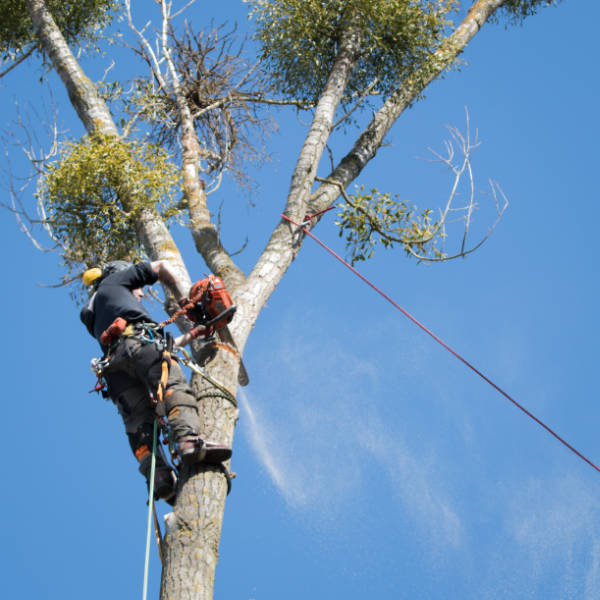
(193, 530)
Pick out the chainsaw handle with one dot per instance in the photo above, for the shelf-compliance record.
(187, 338)
(229, 311)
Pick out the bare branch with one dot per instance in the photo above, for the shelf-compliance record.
(383, 219)
(147, 52)
(26, 229)
(108, 70)
(500, 212)
(360, 100)
(63, 283)
(22, 134)
(182, 9)
(18, 61)
(330, 153)
(215, 184)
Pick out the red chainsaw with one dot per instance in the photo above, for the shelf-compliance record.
(210, 305)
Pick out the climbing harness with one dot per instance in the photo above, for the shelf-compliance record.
(209, 304)
(165, 367)
(308, 220)
(152, 333)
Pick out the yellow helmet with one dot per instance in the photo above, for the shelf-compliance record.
(91, 275)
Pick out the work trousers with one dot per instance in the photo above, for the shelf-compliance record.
(133, 374)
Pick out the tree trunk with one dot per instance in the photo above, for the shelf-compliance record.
(193, 529)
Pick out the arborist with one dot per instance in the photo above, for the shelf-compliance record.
(134, 370)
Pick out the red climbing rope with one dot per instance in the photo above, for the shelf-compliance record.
(441, 342)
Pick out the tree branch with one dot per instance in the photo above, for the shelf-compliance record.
(360, 100)
(94, 114)
(203, 231)
(370, 140)
(18, 62)
(285, 243)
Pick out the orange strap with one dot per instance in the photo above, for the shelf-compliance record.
(142, 452)
(164, 376)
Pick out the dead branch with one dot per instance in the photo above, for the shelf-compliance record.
(222, 92)
(21, 134)
(461, 168)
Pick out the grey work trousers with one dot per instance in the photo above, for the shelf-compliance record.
(132, 375)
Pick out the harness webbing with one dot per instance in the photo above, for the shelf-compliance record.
(164, 375)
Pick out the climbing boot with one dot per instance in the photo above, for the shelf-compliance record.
(165, 479)
(165, 485)
(193, 449)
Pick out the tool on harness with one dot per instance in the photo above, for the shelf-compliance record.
(97, 365)
(113, 332)
(188, 362)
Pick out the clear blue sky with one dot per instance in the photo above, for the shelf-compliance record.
(371, 463)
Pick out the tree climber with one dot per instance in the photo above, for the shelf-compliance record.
(135, 365)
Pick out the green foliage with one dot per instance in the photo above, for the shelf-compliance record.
(96, 190)
(371, 218)
(520, 9)
(300, 39)
(77, 19)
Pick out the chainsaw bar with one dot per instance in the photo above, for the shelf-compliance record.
(227, 338)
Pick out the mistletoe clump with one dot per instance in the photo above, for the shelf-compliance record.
(95, 193)
(77, 20)
(369, 218)
(300, 39)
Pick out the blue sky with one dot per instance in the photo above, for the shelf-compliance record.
(370, 461)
